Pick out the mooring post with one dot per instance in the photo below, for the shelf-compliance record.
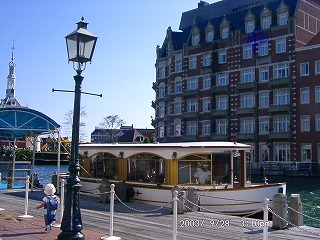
(280, 208)
(295, 210)
(111, 237)
(61, 199)
(265, 218)
(175, 214)
(26, 200)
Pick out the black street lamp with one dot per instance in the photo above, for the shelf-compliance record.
(80, 47)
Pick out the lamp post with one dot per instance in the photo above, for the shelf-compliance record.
(80, 47)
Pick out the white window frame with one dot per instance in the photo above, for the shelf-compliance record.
(222, 79)
(264, 74)
(206, 104)
(225, 32)
(264, 99)
(317, 67)
(247, 51)
(161, 111)
(161, 131)
(304, 69)
(306, 152)
(250, 26)
(305, 123)
(304, 95)
(281, 45)
(248, 75)
(264, 125)
(162, 91)
(281, 97)
(162, 72)
(317, 122)
(281, 70)
(281, 123)
(177, 129)
(281, 152)
(247, 100)
(222, 56)
(192, 62)
(221, 126)
(178, 86)
(317, 94)
(206, 128)
(178, 66)
(210, 36)
(283, 18)
(266, 22)
(177, 107)
(192, 105)
(222, 102)
(192, 128)
(195, 39)
(206, 82)
(192, 83)
(247, 125)
(206, 59)
(263, 48)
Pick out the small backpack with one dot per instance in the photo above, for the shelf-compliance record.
(52, 204)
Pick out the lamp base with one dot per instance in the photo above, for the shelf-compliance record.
(71, 235)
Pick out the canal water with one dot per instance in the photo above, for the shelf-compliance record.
(309, 190)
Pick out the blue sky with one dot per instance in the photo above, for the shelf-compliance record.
(122, 68)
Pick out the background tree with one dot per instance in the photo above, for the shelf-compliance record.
(68, 117)
(112, 123)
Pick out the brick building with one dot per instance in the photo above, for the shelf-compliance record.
(245, 71)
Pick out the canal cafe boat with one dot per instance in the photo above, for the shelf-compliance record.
(216, 171)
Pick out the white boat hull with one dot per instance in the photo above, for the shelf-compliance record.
(233, 201)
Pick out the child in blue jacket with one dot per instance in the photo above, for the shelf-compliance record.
(50, 203)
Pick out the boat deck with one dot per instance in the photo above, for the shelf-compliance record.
(136, 221)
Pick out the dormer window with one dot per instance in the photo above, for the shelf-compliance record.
(209, 36)
(250, 26)
(224, 28)
(209, 32)
(250, 22)
(195, 39)
(283, 18)
(225, 32)
(283, 14)
(266, 22)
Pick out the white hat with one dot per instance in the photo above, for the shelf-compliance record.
(49, 189)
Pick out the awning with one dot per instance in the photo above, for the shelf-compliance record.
(17, 122)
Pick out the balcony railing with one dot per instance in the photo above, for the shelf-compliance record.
(280, 81)
(190, 138)
(216, 89)
(247, 85)
(249, 110)
(246, 136)
(280, 135)
(188, 93)
(279, 108)
(219, 113)
(219, 137)
(189, 115)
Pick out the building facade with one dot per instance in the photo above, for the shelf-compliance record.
(245, 71)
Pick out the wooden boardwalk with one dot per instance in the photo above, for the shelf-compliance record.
(144, 223)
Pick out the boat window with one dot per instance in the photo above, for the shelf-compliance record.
(146, 168)
(104, 165)
(200, 169)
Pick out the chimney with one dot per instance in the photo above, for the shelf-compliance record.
(202, 4)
